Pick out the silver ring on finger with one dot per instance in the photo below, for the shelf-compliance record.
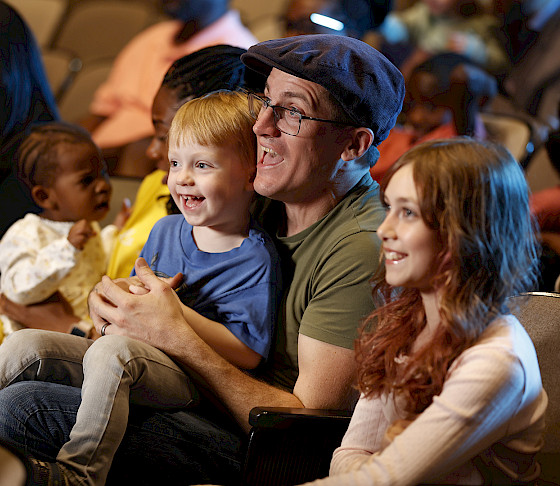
(104, 327)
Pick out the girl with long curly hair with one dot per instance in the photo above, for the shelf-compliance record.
(449, 379)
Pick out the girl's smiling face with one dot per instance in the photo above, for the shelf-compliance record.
(410, 247)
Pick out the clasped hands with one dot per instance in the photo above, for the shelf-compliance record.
(142, 307)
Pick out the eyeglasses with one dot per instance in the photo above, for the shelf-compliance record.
(287, 120)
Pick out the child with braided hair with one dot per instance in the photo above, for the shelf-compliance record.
(62, 250)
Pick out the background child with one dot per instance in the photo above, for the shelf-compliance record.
(431, 27)
(231, 278)
(450, 383)
(192, 76)
(62, 249)
(444, 96)
(26, 98)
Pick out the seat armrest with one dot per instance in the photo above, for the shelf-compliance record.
(289, 446)
(271, 417)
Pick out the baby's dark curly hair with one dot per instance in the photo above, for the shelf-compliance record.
(38, 154)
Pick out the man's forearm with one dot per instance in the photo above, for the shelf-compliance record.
(236, 390)
(222, 340)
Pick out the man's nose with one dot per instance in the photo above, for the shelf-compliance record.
(265, 124)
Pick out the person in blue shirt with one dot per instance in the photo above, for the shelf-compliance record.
(228, 263)
(26, 99)
(224, 270)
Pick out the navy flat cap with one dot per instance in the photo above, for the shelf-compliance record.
(367, 85)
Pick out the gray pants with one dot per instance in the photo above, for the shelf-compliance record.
(112, 371)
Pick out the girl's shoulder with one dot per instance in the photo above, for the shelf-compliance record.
(504, 342)
(504, 326)
(504, 331)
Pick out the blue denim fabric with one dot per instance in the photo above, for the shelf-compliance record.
(158, 448)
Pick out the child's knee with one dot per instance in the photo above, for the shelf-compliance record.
(28, 340)
(108, 348)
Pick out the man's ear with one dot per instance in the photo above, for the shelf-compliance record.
(42, 197)
(360, 140)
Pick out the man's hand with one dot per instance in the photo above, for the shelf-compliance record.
(53, 314)
(152, 317)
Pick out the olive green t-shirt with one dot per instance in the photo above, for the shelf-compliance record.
(332, 263)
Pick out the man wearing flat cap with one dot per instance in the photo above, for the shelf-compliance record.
(328, 102)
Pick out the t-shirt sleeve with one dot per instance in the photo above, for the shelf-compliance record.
(341, 291)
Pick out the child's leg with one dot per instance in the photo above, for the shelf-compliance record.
(118, 370)
(36, 355)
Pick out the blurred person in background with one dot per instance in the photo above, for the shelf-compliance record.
(430, 27)
(530, 33)
(120, 113)
(443, 99)
(26, 98)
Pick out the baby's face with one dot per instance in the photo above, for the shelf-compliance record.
(81, 189)
(212, 186)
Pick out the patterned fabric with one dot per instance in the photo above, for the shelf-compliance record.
(36, 260)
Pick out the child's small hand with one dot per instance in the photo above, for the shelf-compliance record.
(132, 285)
(80, 233)
(138, 289)
(123, 214)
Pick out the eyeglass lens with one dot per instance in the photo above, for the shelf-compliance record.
(285, 120)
